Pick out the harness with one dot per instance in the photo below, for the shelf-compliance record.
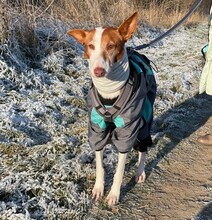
(109, 114)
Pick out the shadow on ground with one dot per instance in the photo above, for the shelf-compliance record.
(152, 201)
(177, 124)
(205, 213)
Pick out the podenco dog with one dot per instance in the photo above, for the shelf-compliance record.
(104, 48)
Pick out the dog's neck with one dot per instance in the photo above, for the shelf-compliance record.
(110, 85)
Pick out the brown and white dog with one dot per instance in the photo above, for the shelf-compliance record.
(104, 47)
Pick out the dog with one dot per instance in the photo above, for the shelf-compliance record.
(110, 68)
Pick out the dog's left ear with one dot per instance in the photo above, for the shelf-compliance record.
(127, 28)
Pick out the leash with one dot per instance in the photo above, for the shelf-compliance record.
(191, 11)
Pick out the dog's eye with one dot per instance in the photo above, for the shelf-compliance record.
(110, 46)
(91, 46)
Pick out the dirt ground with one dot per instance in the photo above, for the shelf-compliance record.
(184, 185)
(179, 183)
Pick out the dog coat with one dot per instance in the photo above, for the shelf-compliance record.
(128, 125)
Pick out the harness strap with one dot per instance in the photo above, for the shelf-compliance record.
(110, 113)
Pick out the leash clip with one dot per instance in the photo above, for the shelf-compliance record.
(130, 51)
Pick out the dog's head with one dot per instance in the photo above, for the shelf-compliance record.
(104, 46)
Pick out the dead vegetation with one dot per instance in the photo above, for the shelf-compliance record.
(34, 28)
(47, 169)
(85, 12)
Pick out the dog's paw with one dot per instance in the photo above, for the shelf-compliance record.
(140, 178)
(97, 192)
(112, 198)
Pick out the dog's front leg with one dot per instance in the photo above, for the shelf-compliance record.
(98, 189)
(113, 196)
(141, 175)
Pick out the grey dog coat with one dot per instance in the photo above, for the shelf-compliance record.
(131, 125)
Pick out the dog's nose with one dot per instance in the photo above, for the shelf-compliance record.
(99, 72)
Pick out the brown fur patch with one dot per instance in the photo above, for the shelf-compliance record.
(88, 40)
(112, 44)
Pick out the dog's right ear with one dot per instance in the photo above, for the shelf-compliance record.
(78, 34)
(127, 28)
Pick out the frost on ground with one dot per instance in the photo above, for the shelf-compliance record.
(47, 169)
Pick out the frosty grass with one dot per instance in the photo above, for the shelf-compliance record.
(47, 169)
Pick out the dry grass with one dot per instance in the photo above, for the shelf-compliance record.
(169, 12)
(154, 12)
(3, 22)
(20, 19)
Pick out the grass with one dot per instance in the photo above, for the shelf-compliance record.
(153, 12)
(168, 13)
(87, 12)
(35, 28)
(54, 176)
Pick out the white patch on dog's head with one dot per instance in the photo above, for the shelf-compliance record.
(98, 65)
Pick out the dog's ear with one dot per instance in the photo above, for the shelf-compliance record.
(127, 28)
(78, 34)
